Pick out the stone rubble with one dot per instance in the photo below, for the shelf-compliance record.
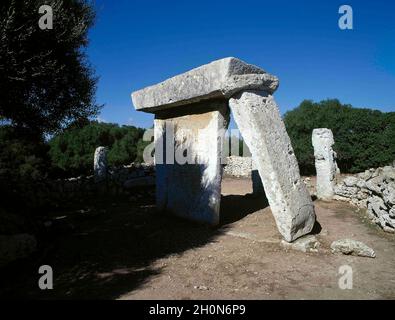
(238, 167)
(352, 247)
(373, 190)
(307, 243)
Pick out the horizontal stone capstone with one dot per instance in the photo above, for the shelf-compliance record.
(218, 79)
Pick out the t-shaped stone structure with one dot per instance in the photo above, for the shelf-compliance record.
(191, 117)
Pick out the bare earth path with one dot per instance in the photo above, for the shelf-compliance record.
(130, 253)
(247, 261)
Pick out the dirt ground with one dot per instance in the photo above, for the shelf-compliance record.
(124, 250)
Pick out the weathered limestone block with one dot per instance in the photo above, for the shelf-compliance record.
(219, 79)
(100, 164)
(238, 166)
(307, 243)
(259, 121)
(188, 162)
(325, 162)
(352, 247)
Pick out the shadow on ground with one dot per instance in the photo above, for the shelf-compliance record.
(109, 249)
(236, 207)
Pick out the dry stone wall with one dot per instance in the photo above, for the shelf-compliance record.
(238, 167)
(373, 190)
(121, 180)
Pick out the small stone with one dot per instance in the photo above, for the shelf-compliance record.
(200, 287)
(352, 247)
(375, 184)
(389, 194)
(389, 229)
(350, 181)
(392, 212)
(324, 232)
(389, 173)
(307, 243)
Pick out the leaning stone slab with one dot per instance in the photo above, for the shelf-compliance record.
(219, 79)
(259, 121)
(352, 247)
(325, 163)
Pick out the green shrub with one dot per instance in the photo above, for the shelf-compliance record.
(73, 150)
(22, 164)
(364, 138)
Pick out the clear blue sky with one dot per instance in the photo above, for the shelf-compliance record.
(139, 43)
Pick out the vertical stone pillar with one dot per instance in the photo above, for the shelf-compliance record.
(258, 118)
(325, 163)
(188, 152)
(100, 164)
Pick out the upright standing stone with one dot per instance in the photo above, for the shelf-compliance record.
(100, 164)
(325, 163)
(258, 118)
(188, 152)
(191, 110)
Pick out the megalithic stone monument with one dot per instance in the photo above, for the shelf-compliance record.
(325, 162)
(100, 164)
(191, 116)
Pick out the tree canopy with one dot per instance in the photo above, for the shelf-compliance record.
(45, 78)
(73, 149)
(364, 138)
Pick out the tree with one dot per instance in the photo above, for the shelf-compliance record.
(73, 149)
(45, 79)
(364, 138)
(21, 164)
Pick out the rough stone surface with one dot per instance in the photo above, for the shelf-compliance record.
(259, 121)
(373, 190)
(352, 247)
(191, 187)
(100, 163)
(18, 246)
(219, 79)
(325, 162)
(238, 167)
(307, 243)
